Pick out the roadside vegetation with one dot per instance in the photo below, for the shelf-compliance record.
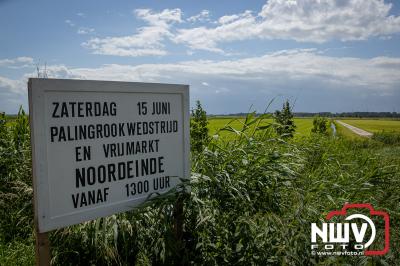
(320, 125)
(250, 200)
(284, 124)
(346, 133)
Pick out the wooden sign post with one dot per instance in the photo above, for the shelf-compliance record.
(42, 249)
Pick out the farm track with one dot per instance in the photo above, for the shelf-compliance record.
(356, 130)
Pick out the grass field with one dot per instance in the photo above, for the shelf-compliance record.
(374, 125)
(303, 125)
(251, 202)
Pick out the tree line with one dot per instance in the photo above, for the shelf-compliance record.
(330, 114)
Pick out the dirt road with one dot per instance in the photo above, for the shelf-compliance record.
(356, 130)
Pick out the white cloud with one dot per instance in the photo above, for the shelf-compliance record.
(321, 21)
(379, 73)
(162, 18)
(203, 16)
(237, 27)
(18, 62)
(81, 14)
(13, 93)
(314, 21)
(81, 30)
(54, 71)
(222, 90)
(227, 19)
(322, 83)
(148, 39)
(85, 30)
(69, 22)
(231, 18)
(10, 86)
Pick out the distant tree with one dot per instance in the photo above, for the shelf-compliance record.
(320, 125)
(198, 128)
(284, 119)
(3, 127)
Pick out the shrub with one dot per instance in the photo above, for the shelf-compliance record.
(15, 176)
(320, 125)
(284, 119)
(198, 128)
(390, 138)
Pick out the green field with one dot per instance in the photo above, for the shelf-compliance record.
(374, 125)
(249, 201)
(303, 125)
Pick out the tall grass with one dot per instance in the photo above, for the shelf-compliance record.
(390, 138)
(250, 201)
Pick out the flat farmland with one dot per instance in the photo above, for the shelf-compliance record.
(374, 125)
(238, 189)
(303, 125)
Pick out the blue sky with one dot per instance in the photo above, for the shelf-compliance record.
(333, 56)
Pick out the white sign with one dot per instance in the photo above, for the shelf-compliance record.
(103, 147)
